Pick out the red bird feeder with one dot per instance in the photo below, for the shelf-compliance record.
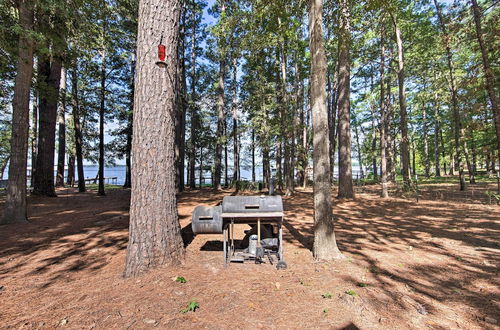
(161, 55)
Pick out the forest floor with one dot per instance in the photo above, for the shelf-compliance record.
(416, 265)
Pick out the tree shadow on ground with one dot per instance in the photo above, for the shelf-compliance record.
(459, 243)
(65, 235)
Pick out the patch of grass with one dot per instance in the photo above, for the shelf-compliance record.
(351, 293)
(192, 306)
(326, 295)
(180, 279)
(106, 186)
(362, 285)
(325, 310)
(459, 258)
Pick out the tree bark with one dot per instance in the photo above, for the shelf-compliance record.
(128, 147)
(15, 209)
(253, 155)
(383, 118)
(236, 149)
(78, 129)
(457, 123)
(154, 234)
(403, 123)
(102, 109)
(488, 73)
(325, 245)
(70, 178)
(346, 189)
(61, 119)
(193, 107)
(220, 114)
(427, 164)
(34, 137)
(437, 171)
(50, 71)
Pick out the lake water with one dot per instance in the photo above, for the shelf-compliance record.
(90, 172)
(119, 172)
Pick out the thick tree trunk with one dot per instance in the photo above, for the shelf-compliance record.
(346, 189)
(78, 129)
(403, 124)
(437, 171)
(15, 204)
(488, 73)
(154, 234)
(50, 71)
(325, 245)
(61, 120)
(383, 118)
(457, 123)
(102, 109)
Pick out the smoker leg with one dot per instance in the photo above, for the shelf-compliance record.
(281, 263)
(224, 246)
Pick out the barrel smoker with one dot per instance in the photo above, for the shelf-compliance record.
(264, 239)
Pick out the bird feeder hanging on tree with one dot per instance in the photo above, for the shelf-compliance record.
(161, 54)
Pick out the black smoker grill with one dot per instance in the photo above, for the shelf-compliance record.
(263, 213)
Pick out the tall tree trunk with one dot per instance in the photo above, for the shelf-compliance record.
(346, 189)
(220, 112)
(253, 155)
(225, 154)
(437, 171)
(154, 234)
(427, 164)
(78, 129)
(488, 73)
(15, 209)
(70, 178)
(374, 141)
(180, 123)
(34, 137)
(358, 148)
(61, 119)
(325, 244)
(306, 143)
(403, 124)
(457, 123)
(193, 107)
(236, 150)
(201, 167)
(128, 148)
(383, 117)
(44, 175)
(391, 173)
(220, 127)
(102, 109)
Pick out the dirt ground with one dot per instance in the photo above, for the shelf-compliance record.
(409, 265)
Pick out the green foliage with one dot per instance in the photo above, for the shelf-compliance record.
(180, 279)
(192, 306)
(362, 285)
(351, 293)
(326, 295)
